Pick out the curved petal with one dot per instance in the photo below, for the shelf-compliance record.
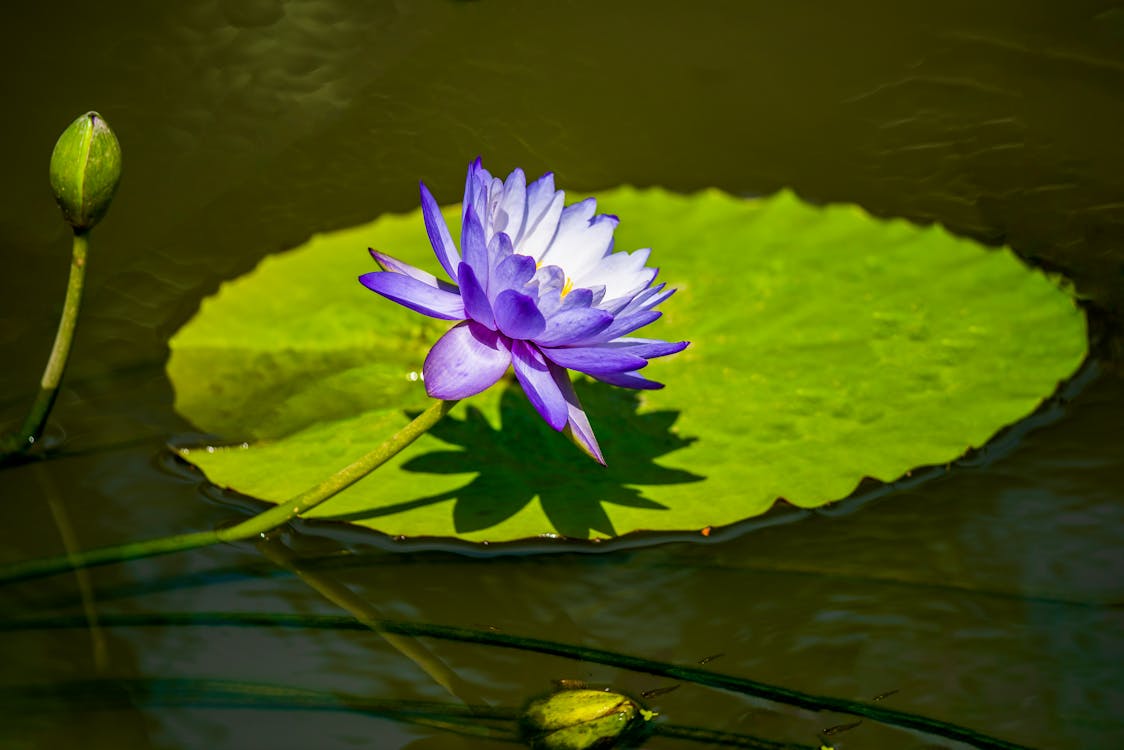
(580, 242)
(594, 360)
(629, 380)
(518, 316)
(465, 361)
(438, 232)
(624, 275)
(540, 231)
(513, 272)
(578, 428)
(476, 304)
(475, 246)
(476, 173)
(572, 326)
(415, 294)
(543, 212)
(499, 250)
(538, 384)
(550, 280)
(389, 263)
(649, 298)
(624, 325)
(647, 348)
(513, 205)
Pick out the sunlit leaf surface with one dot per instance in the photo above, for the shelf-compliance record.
(827, 346)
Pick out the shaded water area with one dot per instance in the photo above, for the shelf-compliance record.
(989, 595)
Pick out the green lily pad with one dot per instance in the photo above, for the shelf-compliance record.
(827, 346)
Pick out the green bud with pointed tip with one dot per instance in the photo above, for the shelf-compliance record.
(582, 719)
(85, 170)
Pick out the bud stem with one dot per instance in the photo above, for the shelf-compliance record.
(32, 428)
(267, 520)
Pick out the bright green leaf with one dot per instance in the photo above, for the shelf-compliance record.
(827, 346)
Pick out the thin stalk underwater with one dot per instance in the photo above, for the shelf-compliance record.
(251, 527)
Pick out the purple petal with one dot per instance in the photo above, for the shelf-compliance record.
(649, 298)
(624, 275)
(582, 239)
(578, 428)
(388, 263)
(594, 360)
(578, 215)
(548, 281)
(578, 298)
(540, 229)
(513, 272)
(415, 294)
(499, 249)
(465, 361)
(624, 325)
(518, 316)
(438, 232)
(643, 297)
(647, 348)
(629, 380)
(574, 325)
(538, 384)
(541, 200)
(475, 247)
(476, 305)
(513, 205)
(475, 169)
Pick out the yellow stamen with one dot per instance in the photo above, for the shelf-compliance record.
(568, 286)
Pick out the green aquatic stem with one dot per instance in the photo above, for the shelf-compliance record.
(251, 527)
(32, 428)
(478, 720)
(586, 654)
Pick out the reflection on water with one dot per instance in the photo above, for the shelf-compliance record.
(989, 596)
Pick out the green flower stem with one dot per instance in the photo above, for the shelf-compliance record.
(251, 527)
(586, 654)
(56, 365)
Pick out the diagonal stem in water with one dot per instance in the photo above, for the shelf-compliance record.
(365, 613)
(685, 673)
(264, 522)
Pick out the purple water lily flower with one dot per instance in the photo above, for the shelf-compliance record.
(538, 288)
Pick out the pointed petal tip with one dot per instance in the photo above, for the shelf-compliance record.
(378, 257)
(586, 443)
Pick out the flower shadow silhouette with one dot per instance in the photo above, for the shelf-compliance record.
(524, 459)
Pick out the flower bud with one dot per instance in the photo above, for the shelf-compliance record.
(85, 170)
(582, 719)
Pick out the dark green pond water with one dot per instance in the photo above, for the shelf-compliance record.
(989, 596)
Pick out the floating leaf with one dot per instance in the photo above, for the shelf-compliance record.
(827, 346)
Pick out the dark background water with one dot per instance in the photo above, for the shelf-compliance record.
(989, 596)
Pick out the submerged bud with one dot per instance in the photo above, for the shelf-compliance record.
(582, 719)
(85, 170)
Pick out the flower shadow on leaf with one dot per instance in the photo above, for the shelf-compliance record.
(525, 458)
